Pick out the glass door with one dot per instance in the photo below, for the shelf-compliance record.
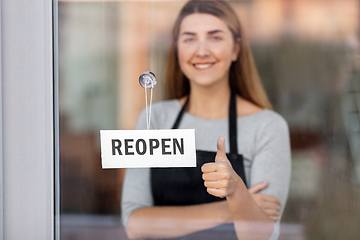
(307, 56)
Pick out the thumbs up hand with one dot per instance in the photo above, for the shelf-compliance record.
(220, 179)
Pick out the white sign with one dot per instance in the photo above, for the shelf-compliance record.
(148, 148)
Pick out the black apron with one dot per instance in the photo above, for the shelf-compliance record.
(185, 186)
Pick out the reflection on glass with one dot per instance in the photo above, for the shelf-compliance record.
(304, 51)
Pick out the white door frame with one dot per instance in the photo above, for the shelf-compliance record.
(28, 120)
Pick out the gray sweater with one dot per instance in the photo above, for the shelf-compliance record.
(263, 140)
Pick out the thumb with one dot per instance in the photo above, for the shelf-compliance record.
(221, 154)
(258, 187)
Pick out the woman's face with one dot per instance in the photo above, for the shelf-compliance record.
(206, 49)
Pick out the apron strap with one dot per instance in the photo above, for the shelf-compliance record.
(233, 125)
(232, 122)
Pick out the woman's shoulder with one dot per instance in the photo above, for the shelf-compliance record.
(268, 115)
(166, 107)
(165, 112)
(268, 121)
(163, 107)
(167, 104)
(264, 119)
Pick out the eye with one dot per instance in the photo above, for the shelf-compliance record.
(217, 38)
(188, 40)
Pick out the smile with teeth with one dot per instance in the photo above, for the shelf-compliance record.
(202, 65)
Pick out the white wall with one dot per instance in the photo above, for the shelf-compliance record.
(27, 129)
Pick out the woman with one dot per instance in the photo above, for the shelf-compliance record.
(215, 89)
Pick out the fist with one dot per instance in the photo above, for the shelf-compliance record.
(220, 179)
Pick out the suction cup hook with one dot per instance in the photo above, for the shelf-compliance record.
(147, 80)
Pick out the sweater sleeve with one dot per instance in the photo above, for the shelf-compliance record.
(136, 191)
(272, 162)
(272, 159)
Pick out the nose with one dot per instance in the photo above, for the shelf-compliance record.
(202, 49)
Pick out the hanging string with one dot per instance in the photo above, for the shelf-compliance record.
(148, 81)
(148, 107)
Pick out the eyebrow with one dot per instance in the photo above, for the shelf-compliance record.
(215, 31)
(188, 33)
(210, 32)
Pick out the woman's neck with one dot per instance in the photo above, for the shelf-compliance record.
(209, 103)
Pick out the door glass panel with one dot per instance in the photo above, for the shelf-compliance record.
(307, 56)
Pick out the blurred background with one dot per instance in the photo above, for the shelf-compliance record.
(307, 53)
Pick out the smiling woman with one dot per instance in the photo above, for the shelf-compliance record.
(206, 49)
(213, 87)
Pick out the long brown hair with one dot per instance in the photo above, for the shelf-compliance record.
(243, 76)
